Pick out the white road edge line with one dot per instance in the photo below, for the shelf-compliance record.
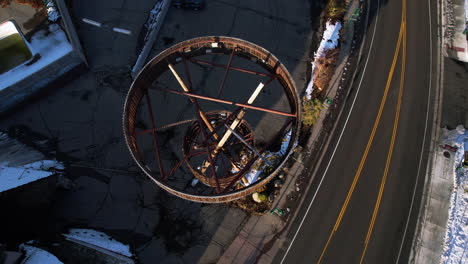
(339, 139)
(424, 137)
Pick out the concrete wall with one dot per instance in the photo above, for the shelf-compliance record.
(70, 29)
(32, 84)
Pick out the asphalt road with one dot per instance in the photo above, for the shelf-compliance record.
(371, 172)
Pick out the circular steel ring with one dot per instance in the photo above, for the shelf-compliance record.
(196, 47)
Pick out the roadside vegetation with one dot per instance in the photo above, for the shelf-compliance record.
(325, 67)
(261, 201)
(312, 110)
(335, 10)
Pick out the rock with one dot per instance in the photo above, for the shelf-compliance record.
(278, 183)
(271, 198)
(460, 129)
(259, 197)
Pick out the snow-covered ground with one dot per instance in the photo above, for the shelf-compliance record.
(51, 46)
(12, 177)
(52, 13)
(456, 238)
(153, 18)
(20, 165)
(34, 255)
(269, 159)
(329, 41)
(99, 239)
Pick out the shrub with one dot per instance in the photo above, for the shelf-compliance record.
(336, 9)
(326, 68)
(311, 109)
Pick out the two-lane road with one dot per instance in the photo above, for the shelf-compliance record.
(358, 208)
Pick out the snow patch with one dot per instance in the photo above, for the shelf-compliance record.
(20, 165)
(153, 18)
(99, 239)
(285, 144)
(12, 177)
(50, 46)
(52, 13)
(329, 41)
(456, 237)
(269, 159)
(153, 24)
(34, 255)
(252, 176)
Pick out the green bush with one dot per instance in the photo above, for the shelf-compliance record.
(311, 110)
(336, 9)
(262, 197)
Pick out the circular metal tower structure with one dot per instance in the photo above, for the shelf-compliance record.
(216, 110)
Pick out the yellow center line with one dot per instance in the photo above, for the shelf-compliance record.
(368, 146)
(392, 142)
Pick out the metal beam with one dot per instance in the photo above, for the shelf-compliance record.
(230, 67)
(189, 94)
(220, 89)
(155, 138)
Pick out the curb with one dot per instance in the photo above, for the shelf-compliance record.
(70, 30)
(311, 140)
(153, 34)
(435, 135)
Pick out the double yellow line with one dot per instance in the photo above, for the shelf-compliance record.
(400, 43)
(394, 132)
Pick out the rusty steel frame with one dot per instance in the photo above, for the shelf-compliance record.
(228, 67)
(209, 156)
(231, 68)
(245, 142)
(186, 52)
(229, 102)
(180, 162)
(234, 113)
(147, 131)
(155, 137)
(215, 155)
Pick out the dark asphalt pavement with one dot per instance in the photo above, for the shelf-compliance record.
(347, 243)
(84, 117)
